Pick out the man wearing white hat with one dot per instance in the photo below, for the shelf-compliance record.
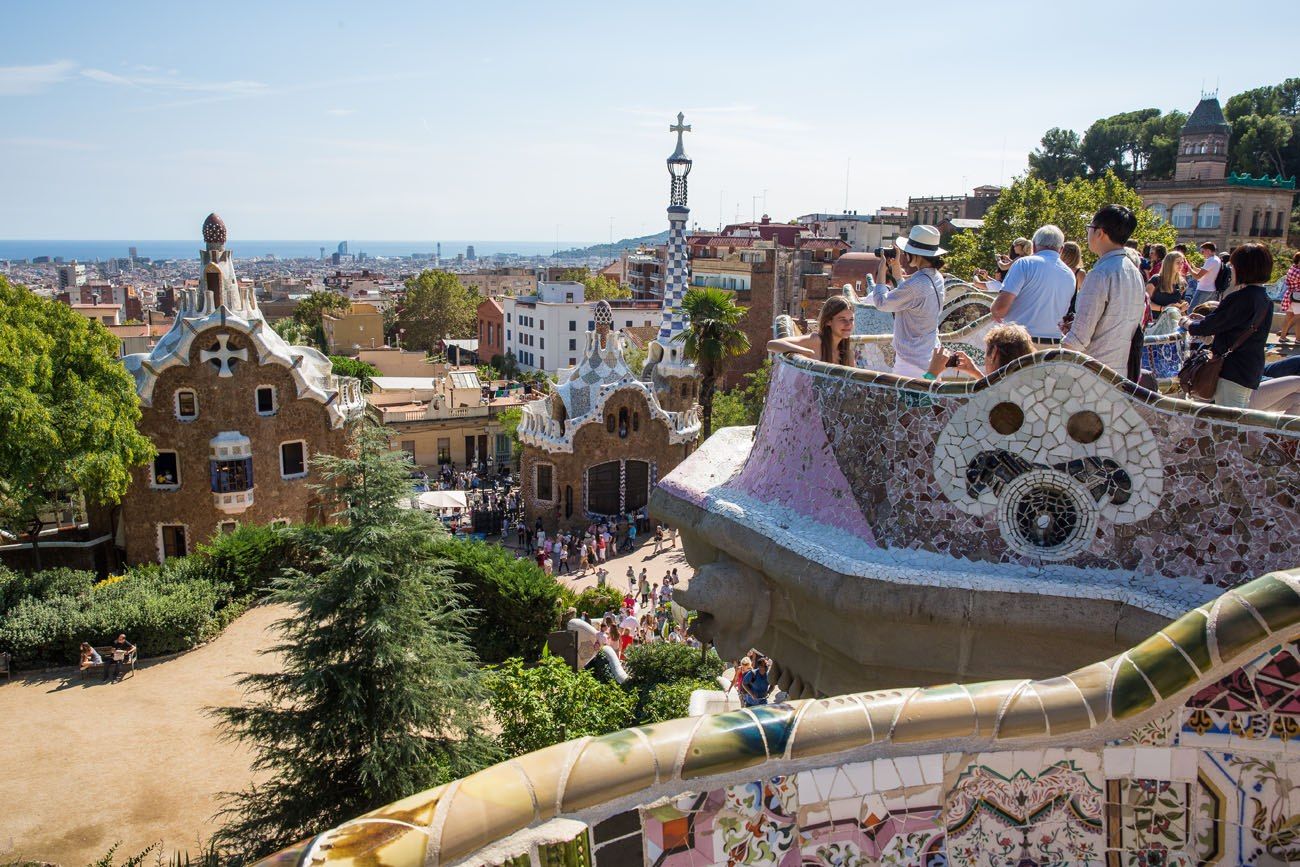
(917, 299)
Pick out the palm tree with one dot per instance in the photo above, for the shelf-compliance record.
(712, 337)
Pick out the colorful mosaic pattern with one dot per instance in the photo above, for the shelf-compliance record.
(1161, 487)
(985, 774)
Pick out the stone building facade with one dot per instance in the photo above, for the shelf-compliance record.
(598, 445)
(1205, 202)
(932, 210)
(236, 415)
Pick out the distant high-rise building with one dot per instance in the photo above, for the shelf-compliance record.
(343, 248)
(322, 253)
(72, 276)
(437, 255)
(469, 252)
(131, 253)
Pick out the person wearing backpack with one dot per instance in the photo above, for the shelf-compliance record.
(1212, 278)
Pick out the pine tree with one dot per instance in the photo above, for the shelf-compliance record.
(379, 695)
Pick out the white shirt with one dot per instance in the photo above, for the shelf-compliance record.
(1211, 266)
(916, 304)
(1043, 286)
(629, 622)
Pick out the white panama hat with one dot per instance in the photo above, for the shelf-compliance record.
(920, 241)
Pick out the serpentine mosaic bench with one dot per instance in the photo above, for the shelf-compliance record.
(1179, 751)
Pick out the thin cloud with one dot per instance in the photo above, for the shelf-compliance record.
(16, 80)
(175, 84)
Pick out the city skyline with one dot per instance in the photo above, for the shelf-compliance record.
(326, 120)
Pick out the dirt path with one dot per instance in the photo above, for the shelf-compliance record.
(85, 763)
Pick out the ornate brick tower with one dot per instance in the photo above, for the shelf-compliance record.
(1203, 143)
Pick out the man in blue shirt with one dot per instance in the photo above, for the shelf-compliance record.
(1037, 290)
(754, 685)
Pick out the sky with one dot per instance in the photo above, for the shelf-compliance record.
(530, 121)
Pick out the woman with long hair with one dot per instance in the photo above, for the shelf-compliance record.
(1168, 288)
(830, 343)
(1072, 258)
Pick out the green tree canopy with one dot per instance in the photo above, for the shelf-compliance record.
(311, 309)
(378, 694)
(713, 337)
(364, 371)
(436, 306)
(743, 405)
(1030, 202)
(68, 410)
(1058, 156)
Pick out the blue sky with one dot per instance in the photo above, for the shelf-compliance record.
(515, 121)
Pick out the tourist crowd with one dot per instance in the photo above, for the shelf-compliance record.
(1044, 298)
(576, 551)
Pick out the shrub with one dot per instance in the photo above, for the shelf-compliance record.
(551, 703)
(46, 584)
(649, 665)
(518, 604)
(670, 700)
(595, 601)
(161, 609)
(249, 557)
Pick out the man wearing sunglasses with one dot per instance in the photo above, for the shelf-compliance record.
(1110, 303)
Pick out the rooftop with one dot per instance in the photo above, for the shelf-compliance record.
(1207, 117)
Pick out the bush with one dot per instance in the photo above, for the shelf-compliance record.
(161, 609)
(46, 584)
(518, 604)
(249, 557)
(649, 665)
(670, 700)
(551, 703)
(595, 601)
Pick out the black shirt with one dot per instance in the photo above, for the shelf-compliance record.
(1237, 313)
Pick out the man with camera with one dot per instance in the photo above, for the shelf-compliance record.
(916, 299)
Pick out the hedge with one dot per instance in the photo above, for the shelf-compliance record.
(517, 603)
(596, 601)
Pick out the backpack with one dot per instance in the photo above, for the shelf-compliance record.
(1223, 279)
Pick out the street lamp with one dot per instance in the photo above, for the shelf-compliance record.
(679, 164)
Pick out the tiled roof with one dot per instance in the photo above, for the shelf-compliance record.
(640, 335)
(1207, 117)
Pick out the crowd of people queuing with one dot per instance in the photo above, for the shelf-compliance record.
(1043, 297)
(645, 615)
(574, 552)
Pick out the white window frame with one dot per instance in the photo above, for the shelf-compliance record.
(1201, 222)
(221, 531)
(305, 469)
(1161, 211)
(176, 404)
(153, 475)
(275, 401)
(1175, 215)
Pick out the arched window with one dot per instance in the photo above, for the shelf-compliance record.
(568, 501)
(609, 422)
(622, 422)
(1182, 215)
(1207, 216)
(1161, 212)
(212, 279)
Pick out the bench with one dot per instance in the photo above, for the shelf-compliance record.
(106, 654)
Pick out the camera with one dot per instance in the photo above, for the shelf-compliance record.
(884, 252)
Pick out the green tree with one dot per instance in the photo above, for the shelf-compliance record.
(378, 694)
(1158, 144)
(509, 420)
(550, 703)
(436, 306)
(1115, 143)
(713, 337)
(1258, 144)
(68, 410)
(1029, 203)
(596, 287)
(1057, 158)
(311, 309)
(290, 330)
(743, 405)
(364, 371)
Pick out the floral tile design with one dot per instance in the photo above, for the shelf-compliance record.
(1148, 821)
(1046, 815)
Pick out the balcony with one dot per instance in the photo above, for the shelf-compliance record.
(429, 412)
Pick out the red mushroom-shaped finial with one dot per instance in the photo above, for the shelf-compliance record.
(214, 230)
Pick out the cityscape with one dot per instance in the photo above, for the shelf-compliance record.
(805, 485)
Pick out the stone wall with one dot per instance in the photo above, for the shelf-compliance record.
(224, 404)
(593, 444)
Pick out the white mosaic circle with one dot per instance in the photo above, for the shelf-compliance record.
(1046, 514)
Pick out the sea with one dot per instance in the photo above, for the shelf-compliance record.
(94, 251)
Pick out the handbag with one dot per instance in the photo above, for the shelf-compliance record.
(1199, 375)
